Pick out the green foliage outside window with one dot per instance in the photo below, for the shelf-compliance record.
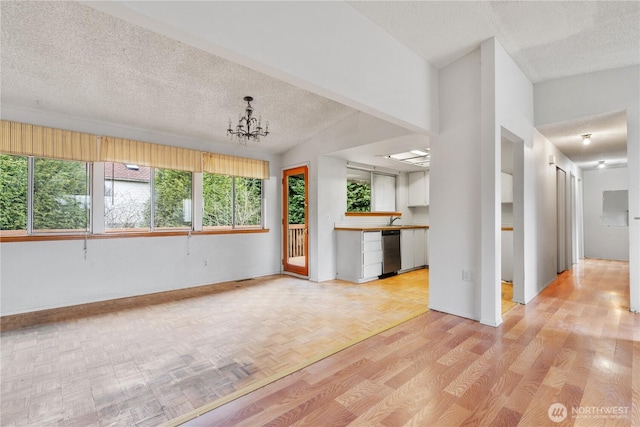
(218, 209)
(60, 195)
(296, 200)
(248, 203)
(172, 193)
(217, 190)
(13, 192)
(358, 197)
(61, 199)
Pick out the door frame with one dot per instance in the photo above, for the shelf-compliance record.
(286, 267)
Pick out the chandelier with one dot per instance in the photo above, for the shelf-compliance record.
(248, 128)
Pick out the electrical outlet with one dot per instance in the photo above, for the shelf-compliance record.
(466, 275)
(205, 262)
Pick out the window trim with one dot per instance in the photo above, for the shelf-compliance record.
(234, 225)
(31, 170)
(12, 236)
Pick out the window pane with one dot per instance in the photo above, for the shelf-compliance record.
(172, 204)
(13, 192)
(248, 202)
(358, 190)
(127, 191)
(217, 200)
(60, 195)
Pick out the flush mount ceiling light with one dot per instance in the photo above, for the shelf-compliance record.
(248, 128)
(586, 138)
(420, 158)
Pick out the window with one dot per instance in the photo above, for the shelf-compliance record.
(61, 198)
(217, 192)
(248, 202)
(358, 190)
(47, 185)
(14, 178)
(127, 192)
(370, 192)
(231, 202)
(128, 202)
(172, 199)
(58, 195)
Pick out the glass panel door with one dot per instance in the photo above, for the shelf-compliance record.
(295, 224)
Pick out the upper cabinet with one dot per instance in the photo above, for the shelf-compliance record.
(507, 188)
(418, 189)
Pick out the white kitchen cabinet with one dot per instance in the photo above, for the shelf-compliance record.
(406, 250)
(507, 187)
(359, 255)
(418, 189)
(413, 248)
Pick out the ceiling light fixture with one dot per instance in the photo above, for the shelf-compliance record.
(586, 138)
(414, 157)
(601, 164)
(248, 128)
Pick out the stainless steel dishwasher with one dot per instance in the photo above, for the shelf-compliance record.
(390, 251)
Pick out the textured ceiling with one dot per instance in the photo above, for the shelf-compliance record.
(68, 58)
(547, 39)
(608, 140)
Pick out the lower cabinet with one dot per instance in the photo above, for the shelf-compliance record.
(413, 248)
(359, 255)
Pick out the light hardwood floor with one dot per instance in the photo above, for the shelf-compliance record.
(153, 359)
(576, 344)
(150, 359)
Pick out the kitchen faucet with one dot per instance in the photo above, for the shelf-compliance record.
(392, 219)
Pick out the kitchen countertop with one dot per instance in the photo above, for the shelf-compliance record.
(378, 227)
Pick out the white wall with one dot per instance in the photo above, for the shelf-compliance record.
(600, 240)
(541, 244)
(332, 204)
(454, 233)
(48, 274)
(598, 93)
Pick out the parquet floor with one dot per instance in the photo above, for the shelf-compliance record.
(576, 344)
(146, 360)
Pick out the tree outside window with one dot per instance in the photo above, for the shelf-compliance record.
(217, 191)
(248, 202)
(61, 199)
(14, 171)
(172, 198)
(358, 190)
(60, 195)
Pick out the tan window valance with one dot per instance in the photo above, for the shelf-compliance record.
(39, 141)
(148, 154)
(235, 166)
